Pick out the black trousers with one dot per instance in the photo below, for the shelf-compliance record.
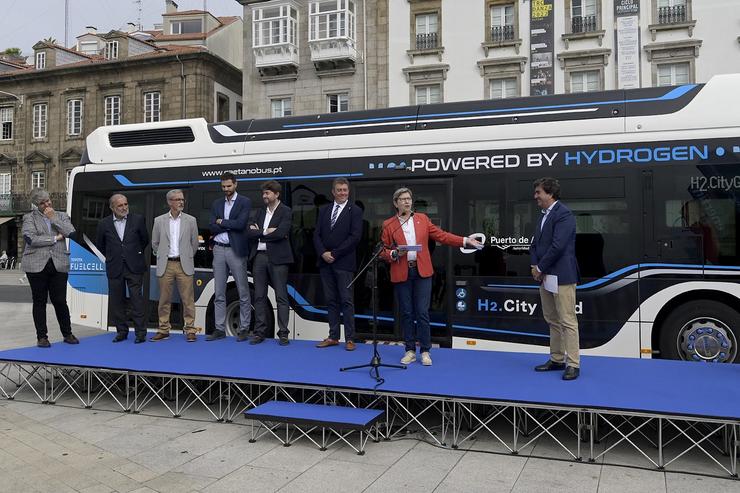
(52, 285)
(265, 272)
(117, 302)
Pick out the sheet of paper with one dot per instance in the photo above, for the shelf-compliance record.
(551, 283)
(409, 248)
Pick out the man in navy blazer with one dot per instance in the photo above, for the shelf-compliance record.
(228, 225)
(338, 231)
(553, 253)
(122, 238)
(271, 254)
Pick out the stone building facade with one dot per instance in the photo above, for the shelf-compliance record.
(46, 112)
(314, 56)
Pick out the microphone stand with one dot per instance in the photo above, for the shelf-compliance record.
(375, 363)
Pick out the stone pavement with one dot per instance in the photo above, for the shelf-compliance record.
(64, 448)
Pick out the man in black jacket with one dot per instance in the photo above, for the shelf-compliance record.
(122, 238)
(271, 255)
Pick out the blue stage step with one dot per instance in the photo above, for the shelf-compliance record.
(339, 417)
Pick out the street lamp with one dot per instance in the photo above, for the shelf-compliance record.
(19, 98)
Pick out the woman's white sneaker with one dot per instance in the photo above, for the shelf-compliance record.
(408, 358)
(426, 360)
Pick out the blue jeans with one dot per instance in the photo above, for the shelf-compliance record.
(414, 296)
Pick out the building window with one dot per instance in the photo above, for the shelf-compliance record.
(38, 179)
(239, 111)
(69, 175)
(672, 11)
(40, 117)
(5, 182)
(583, 19)
(673, 74)
(331, 19)
(338, 102)
(275, 25)
(428, 94)
(282, 107)
(504, 88)
(74, 117)
(40, 60)
(151, 106)
(222, 107)
(186, 27)
(6, 123)
(113, 110)
(502, 23)
(111, 50)
(585, 81)
(88, 47)
(427, 26)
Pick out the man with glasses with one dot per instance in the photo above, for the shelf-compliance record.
(175, 243)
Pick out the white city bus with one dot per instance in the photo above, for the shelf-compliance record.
(652, 175)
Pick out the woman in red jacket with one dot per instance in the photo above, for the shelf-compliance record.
(411, 271)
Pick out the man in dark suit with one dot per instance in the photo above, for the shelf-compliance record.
(122, 238)
(338, 231)
(555, 267)
(228, 225)
(271, 255)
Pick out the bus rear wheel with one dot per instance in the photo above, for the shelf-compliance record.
(701, 331)
(233, 319)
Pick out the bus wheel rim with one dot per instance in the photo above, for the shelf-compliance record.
(706, 339)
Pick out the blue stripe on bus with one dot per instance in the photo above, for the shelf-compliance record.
(501, 331)
(670, 95)
(617, 273)
(128, 183)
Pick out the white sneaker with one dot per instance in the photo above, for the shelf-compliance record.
(408, 358)
(426, 360)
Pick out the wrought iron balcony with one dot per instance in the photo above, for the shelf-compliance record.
(502, 33)
(427, 41)
(672, 15)
(583, 24)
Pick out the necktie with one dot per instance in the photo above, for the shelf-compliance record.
(544, 216)
(334, 215)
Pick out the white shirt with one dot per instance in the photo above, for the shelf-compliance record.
(409, 232)
(546, 213)
(228, 204)
(120, 225)
(261, 245)
(174, 235)
(339, 212)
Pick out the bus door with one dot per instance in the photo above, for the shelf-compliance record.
(433, 198)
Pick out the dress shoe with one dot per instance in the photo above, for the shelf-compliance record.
(160, 336)
(215, 335)
(71, 339)
(571, 373)
(120, 337)
(283, 340)
(139, 339)
(350, 346)
(242, 336)
(550, 366)
(327, 342)
(43, 342)
(191, 337)
(255, 339)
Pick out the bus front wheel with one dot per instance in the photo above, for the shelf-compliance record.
(701, 330)
(233, 318)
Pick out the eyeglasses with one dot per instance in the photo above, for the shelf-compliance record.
(176, 200)
(405, 199)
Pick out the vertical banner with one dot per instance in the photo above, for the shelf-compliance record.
(627, 15)
(542, 43)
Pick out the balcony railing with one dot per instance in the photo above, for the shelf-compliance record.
(502, 33)
(583, 24)
(426, 41)
(672, 15)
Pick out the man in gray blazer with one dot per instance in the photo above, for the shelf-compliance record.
(175, 242)
(46, 264)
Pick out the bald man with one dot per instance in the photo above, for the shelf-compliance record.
(122, 237)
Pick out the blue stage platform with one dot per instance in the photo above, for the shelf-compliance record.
(654, 387)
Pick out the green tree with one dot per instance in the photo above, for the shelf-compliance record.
(11, 52)
(51, 40)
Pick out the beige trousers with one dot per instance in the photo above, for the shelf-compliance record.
(174, 274)
(560, 314)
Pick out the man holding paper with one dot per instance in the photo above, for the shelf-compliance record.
(405, 240)
(555, 267)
